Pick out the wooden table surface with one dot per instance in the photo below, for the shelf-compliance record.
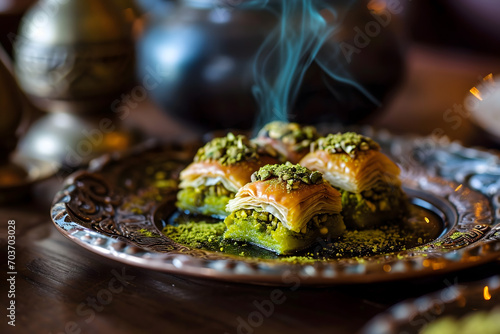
(62, 288)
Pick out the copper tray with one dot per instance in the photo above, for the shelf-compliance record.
(113, 209)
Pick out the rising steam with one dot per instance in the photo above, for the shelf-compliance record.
(301, 36)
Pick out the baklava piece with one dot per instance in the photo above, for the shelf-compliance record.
(290, 140)
(367, 179)
(284, 209)
(219, 170)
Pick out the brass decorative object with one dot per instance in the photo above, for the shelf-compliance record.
(16, 176)
(10, 117)
(71, 140)
(76, 57)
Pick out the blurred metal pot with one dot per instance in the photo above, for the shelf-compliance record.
(74, 55)
(201, 56)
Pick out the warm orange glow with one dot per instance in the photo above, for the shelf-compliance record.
(426, 220)
(116, 141)
(458, 188)
(9, 180)
(489, 78)
(387, 268)
(461, 301)
(426, 263)
(476, 93)
(438, 265)
(486, 293)
(377, 6)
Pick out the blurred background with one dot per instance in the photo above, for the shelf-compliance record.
(84, 77)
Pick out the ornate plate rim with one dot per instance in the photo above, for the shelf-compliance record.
(404, 312)
(377, 269)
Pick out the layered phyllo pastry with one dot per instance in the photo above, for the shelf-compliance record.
(219, 170)
(290, 140)
(284, 209)
(367, 179)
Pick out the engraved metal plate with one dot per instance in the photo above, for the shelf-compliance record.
(110, 208)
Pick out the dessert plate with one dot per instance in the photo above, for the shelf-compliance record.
(462, 305)
(120, 204)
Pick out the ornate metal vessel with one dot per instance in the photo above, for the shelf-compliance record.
(16, 175)
(74, 55)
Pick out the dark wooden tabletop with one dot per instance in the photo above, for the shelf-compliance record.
(63, 288)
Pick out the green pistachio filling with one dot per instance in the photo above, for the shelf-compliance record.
(265, 230)
(418, 229)
(373, 207)
(293, 134)
(293, 175)
(348, 142)
(207, 200)
(228, 150)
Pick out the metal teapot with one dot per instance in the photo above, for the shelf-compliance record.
(201, 55)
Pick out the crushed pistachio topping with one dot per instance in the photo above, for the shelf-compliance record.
(196, 234)
(228, 150)
(348, 142)
(266, 222)
(293, 175)
(293, 134)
